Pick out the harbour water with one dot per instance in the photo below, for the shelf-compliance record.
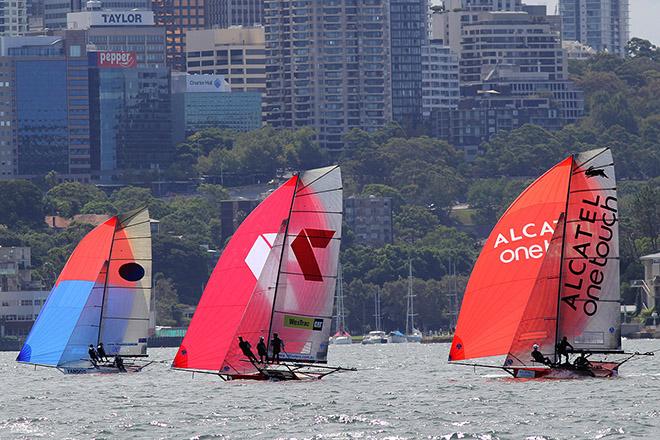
(402, 391)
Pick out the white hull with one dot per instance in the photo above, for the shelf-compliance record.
(396, 339)
(342, 340)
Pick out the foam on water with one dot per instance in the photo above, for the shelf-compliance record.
(406, 391)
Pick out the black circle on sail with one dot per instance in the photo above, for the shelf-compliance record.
(131, 272)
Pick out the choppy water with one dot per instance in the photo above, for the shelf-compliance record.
(407, 391)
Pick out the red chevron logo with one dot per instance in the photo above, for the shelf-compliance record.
(303, 248)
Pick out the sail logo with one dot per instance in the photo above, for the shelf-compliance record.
(590, 253)
(303, 322)
(256, 258)
(303, 248)
(524, 252)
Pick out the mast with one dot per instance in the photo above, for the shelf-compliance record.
(561, 257)
(410, 312)
(279, 266)
(341, 324)
(377, 310)
(105, 283)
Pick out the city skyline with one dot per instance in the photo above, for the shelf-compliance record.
(642, 17)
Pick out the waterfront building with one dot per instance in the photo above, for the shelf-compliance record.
(600, 24)
(448, 18)
(207, 101)
(123, 31)
(21, 297)
(440, 85)
(651, 283)
(516, 39)
(44, 113)
(369, 219)
(328, 66)
(227, 13)
(237, 53)
(55, 11)
(178, 17)
(131, 116)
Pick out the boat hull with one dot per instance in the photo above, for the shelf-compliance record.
(342, 340)
(597, 369)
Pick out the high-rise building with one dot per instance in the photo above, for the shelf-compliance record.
(328, 66)
(601, 24)
(226, 13)
(515, 39)
(55, 11)
(207, 101)
(44, 124)
(440, 86)
(237, 53)
(127, 31)
(13, 18)
(369, 219)
(178, 17)
(450, 16)
(408, 33)
(131, 116)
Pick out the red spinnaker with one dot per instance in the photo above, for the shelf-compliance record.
(222, 305)
(507, 268)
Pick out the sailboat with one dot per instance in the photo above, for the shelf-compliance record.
(276, 276)
(377, 336)
(549, 270)
(102, 295)
(342, 337)
(412, 334)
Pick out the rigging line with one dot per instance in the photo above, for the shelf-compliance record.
(321, 192)
(591, 158)
(592, 190)
(135, 224)
(132, 215)
(134, 238)
(316, 180)
(318, 212)
(303, 274)
(305, 315)
(279, 266)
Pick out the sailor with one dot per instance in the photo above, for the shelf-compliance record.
(262, 350)
(582, 363)
(562, 349)
(246, 349)
(101, 352)
(278, 346)
(537, 356)
(93, 356)
(119, 363)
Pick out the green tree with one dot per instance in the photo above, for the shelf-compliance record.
(638, 47)
(131, 197)
(22, 204)
(68, 198)
(166, 300)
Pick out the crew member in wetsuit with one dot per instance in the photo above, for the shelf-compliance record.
(101, 352)
(582, 363)
(278, 346)
(246, 349)
(537, 356)
(93, 356)
(262, 350)
(562, 349)
(119, 363)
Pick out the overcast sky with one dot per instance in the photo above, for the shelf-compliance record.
(644, 17)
